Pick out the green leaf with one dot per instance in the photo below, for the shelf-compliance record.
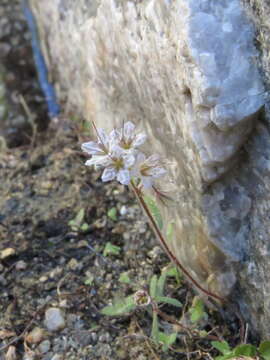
(169, 231)
(264, 350)
(245, 350)
(222, 346)
(112, 214)
(153, 286)
(173, 271)
(119, 307)
(77, 221)
(152, 206)
(89, 280)
(197, 310)
(84, 227)
(124, 278)
(166, 339)
(111, 249)
(168, 300)
(155, 331)
(161, 284)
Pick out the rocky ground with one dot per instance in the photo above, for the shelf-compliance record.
(54, 275)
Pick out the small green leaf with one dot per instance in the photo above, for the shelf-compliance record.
(112, 214)
(153, 286)
(222, 346)
(161, 284)
(77, 221)
(84, 227)
(111, 249)
(166, 339)
(168, 300)
(152, 206)
(124, 278)
(173, 271)
(155, 331)
(245, 350)
(169, 231)
(119, 307)
(89, 280)
(197, 310)
(264, 350)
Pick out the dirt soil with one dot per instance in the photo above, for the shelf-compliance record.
(46, 261)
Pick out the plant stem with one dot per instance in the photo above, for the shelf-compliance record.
(166, 248)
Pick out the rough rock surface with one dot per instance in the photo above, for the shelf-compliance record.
(187, 72)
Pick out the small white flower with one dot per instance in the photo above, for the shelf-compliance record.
(127, 138)
(118, 166)
(147, 170)
(99, 150)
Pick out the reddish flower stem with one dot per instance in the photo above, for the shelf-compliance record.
(166, 248)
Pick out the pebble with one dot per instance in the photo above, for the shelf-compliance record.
(11, 353)
(20, 265)
(123, 210)
(57, 357)
(3, 281)
(54, 319)
(44, 347)
(73, 264)
(7, 253)
(36, 336)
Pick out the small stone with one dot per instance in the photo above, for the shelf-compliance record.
(43, 279)
(36, 336)
(21, 265)
(63, 304)
(57, 357)
(44, 347)
(123, 210)
(54, 319)
(3, 281)
(11, 353)
(7, 253)
(73, 264)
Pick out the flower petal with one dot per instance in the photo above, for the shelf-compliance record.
(129, 160)
(108, 174)
(157, 172)
(153, 160)
(123, 177)
(90, 162)
(147, 182)
(129, 128)
(91, 148)
(102, 136)
(139, 139)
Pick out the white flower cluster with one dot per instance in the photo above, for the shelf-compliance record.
(118, 153)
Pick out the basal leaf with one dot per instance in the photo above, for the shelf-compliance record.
(153, 286)
(155, 331)
(166, 339)
(161, 284)
(112, 214)
(152, 206)
(264, 350)
(197, 310)
(111, 249)
(168, 300)
(222, 346)
(119, 307)
(245, 350)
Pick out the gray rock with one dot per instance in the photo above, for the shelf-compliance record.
(187, 72)
(54, 319)
(44, 346)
